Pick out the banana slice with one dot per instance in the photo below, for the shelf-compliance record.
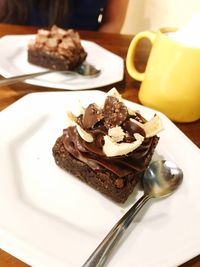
(152, 127)
(112, 149)
(131, 112)
(113, 92)
(84, 135)
(71, 118)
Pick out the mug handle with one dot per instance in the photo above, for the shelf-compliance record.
(131, 54)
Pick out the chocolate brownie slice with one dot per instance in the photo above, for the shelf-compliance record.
(108, 148)
(56, 49)
(105, 181)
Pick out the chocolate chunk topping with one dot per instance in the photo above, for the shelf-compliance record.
(98, 135)
(91, 116)
(131, 128)
(115, 112)
(139, 117)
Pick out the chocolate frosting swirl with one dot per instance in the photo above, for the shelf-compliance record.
(97, 122)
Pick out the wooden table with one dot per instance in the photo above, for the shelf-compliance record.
(128, 88)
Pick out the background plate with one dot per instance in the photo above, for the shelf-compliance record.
(49, 218)
(14, 62)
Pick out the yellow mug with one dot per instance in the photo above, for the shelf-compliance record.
(171, 80)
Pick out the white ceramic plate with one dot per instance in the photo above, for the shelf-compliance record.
(49, 218)
(14, 62)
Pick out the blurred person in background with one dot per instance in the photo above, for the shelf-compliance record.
(94, 15)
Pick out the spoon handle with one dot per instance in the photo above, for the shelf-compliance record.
(21, 78)
(101, 253)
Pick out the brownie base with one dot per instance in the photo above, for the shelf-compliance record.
(102, 180)
(52, 61)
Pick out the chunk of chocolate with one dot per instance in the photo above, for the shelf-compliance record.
(115, 112)
(132, 127)
(91, 116)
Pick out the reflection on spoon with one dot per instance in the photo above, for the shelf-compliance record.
(160, 179)
(84, 70)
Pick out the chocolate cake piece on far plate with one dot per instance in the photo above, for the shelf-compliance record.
(56, 49)
(108, 147)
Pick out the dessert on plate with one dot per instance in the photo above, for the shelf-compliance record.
(56, 49)
(108, 146)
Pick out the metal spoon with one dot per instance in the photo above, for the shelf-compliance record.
(160, 179)
(84, 70)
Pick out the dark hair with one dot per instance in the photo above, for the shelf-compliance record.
(18, 11)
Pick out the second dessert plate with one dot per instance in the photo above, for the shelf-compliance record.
(14, 62)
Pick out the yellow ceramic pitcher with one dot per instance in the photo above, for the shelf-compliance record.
(171, 81)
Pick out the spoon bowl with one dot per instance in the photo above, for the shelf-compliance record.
(88, 70)
(160, 179)
(84, 70)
